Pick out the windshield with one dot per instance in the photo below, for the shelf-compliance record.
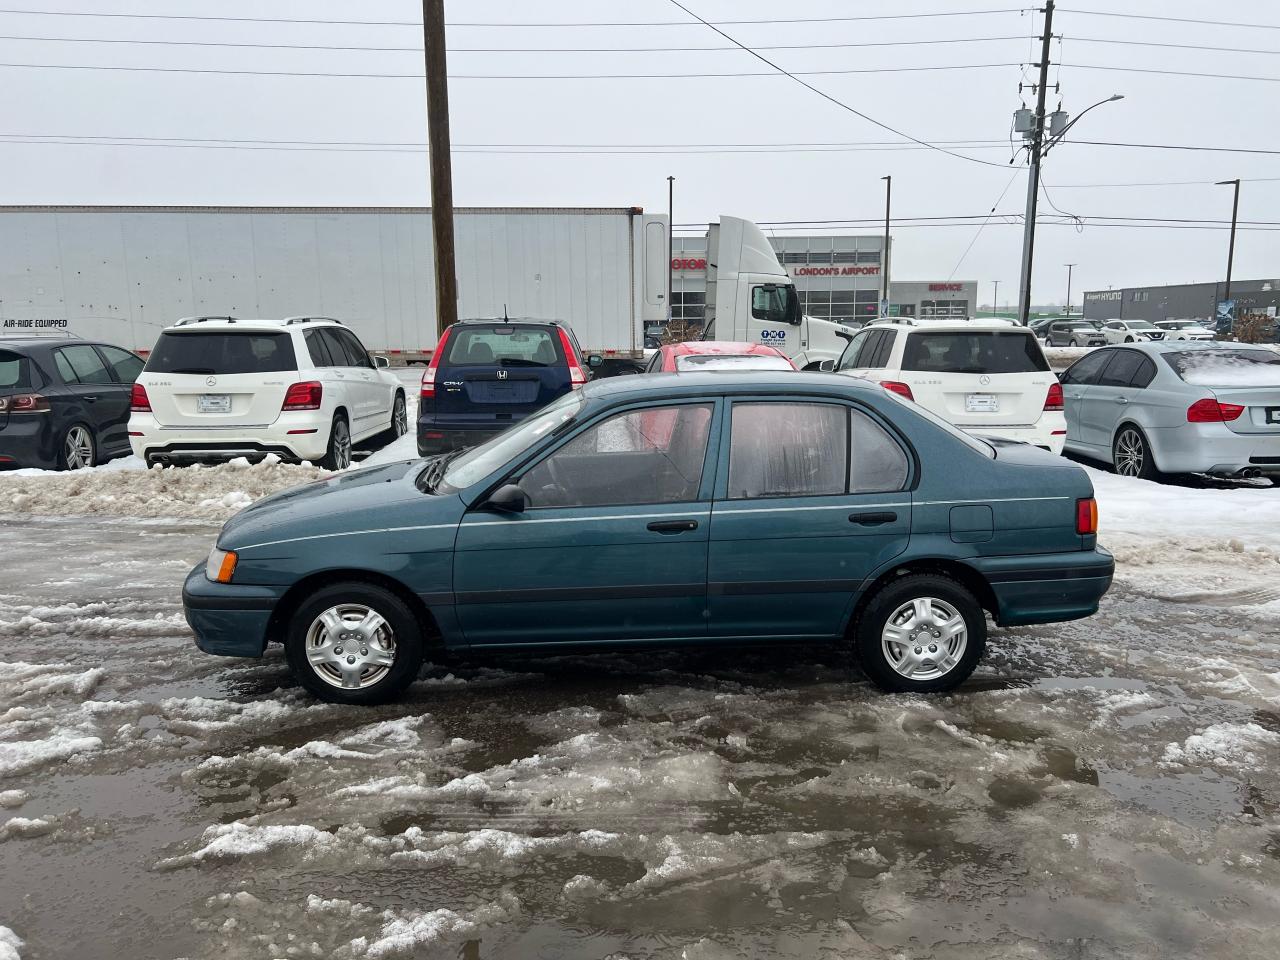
(478, 462)
(709, 361)
(1227, 368)
(962, 352)
(224, 353)
(1141, 325)
(1178, 324)
(476, 345)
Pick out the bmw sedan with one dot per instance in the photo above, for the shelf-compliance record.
(1177, 407)
(701, 509)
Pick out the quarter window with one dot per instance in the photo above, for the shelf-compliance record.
(318, 347)
(876, 463)
(654, 455)
(787, 450)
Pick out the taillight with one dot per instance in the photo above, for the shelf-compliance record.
(24, 403)
(1086, 516)
(901, 389)
(303, 396)
(138, 400)
(1054, 400)
(429, 375)
(577, 376)
(1209, 410)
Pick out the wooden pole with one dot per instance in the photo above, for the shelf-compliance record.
(441, 168)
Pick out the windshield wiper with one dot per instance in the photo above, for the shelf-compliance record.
(431, 477)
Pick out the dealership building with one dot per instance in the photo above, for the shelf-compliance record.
(1183, 301)
(836, 277)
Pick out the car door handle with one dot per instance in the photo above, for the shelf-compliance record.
(872, 519)
(1122, 399)
(673, 526)
(93, 399)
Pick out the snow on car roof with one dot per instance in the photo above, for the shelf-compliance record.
(727, 348)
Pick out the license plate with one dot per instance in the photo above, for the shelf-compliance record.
(214, 403)
(1273, 414)
(981, 403)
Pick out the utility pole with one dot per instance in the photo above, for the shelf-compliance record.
(884, 255)
(1231, 248)
(441, 169)
(1033, 174)
(671, 226)
(1069, 267)
(995, 297)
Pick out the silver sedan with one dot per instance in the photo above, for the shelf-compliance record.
(1177, 407)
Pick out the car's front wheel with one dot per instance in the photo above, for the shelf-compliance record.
(338, 456)
(1074, 342)
(79, 448)
(354, 643)
(923, 633)
(1131, 455)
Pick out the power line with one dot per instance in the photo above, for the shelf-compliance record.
(826, 96)
(418, 49)
(986, 220)
(1146, 16)
(517, 76)
(418, 23)
(1175, 146)
(1171, 73)
(1161, 183)
(1173, 46)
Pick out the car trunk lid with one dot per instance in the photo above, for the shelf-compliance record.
(500, 372)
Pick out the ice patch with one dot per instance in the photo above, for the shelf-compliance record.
(10, 945)
(24, 828)
(23, 755)
(37, 681)
(403, 935)
(233, 840)
(1237, 745)
(12, 798)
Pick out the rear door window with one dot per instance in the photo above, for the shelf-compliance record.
(124, 365)
(15, 371)
(222, 353)
(501, 345)
(787, 450)
(880, 351)
(976, 352)
(357, 355)
(1121, 370)
(87, 365)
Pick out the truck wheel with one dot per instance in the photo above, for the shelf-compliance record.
(354, 643)
(339, 455)
(923, 633)
(79, 448)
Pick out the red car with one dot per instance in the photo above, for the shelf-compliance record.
(717, 355)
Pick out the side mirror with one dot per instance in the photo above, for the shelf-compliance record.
(594, 360)
(508, 498)
(826, 366)
(381, 362)
(844, 333)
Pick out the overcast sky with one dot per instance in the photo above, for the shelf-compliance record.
(973, 104)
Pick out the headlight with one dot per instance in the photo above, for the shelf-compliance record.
(221, 565)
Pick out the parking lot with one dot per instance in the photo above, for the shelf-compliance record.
(1103, 788)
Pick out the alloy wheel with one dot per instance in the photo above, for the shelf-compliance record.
(1131, 453)
(400, 418)
(341, 445)
(924, 638)
(351, 646)
(78, 448)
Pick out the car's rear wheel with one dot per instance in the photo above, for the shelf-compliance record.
(79, 448)
(354, 643)
(1128, 339)
(339, 455)
(1131, 454)
(923, 633)
(399, 419)
(1074, 342)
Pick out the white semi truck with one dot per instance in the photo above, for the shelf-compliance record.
(751, 298)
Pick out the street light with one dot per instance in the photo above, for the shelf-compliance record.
(1069, 267)
(995, 297)
(1231, 247)
(1055, 140)
(884, 256)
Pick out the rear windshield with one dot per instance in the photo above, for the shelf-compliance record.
(1227, 368)
(1076, 325)
(507, 346)
(992, 351)
(222, 352)
(707, 361)
(15, 371)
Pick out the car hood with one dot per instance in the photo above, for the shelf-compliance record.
(349, 500)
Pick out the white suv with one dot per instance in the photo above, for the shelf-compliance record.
(1184, 330)
(1131, 331)
(303, 388)
(985, 377)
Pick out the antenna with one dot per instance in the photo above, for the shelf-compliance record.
(504, 312)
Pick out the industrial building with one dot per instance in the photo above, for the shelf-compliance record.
(836, 277)
(1183, 301)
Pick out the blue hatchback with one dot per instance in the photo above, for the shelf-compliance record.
(706, 508)
(486, 375)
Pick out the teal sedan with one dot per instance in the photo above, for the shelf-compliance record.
(710, 508)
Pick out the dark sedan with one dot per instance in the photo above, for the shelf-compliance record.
(64, 403)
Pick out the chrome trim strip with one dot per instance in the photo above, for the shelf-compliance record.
(345, 533)
(686, 514)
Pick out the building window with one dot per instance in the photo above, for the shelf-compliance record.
(944, 308)
(868, 256)
(689, 307)
(795, 256)
(867, 303)
(845, 256)
(816, 303)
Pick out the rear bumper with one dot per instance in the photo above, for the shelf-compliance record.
(435, 437)
(1047, 588)
(1215, 448)
(27, 440)
(229, 620)
(185, 445)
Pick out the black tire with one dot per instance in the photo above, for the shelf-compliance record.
(1128, 339)
(338, 456)
(405, 633)
(78, 447)
(873, 651)
(399, 420)
(1129, 442)
(1074, 343)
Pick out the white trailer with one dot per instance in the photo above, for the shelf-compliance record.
(122, 274)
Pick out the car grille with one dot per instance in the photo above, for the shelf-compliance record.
(502, 391)
(1156, 336)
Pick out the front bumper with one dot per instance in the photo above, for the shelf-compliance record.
(27, 440)
(1047, 588)
(229, 620)
(284, 438)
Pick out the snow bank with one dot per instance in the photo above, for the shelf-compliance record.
(406, 448)
(10, 944)
(23, 755)
(196, 492)
(1241, 746)
(403, 935)
(12, 798)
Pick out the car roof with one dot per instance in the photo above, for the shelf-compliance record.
(962, 326)
(514, 321)
(9, 342)
(1177, 346)
(702, 383)
(725, 348)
